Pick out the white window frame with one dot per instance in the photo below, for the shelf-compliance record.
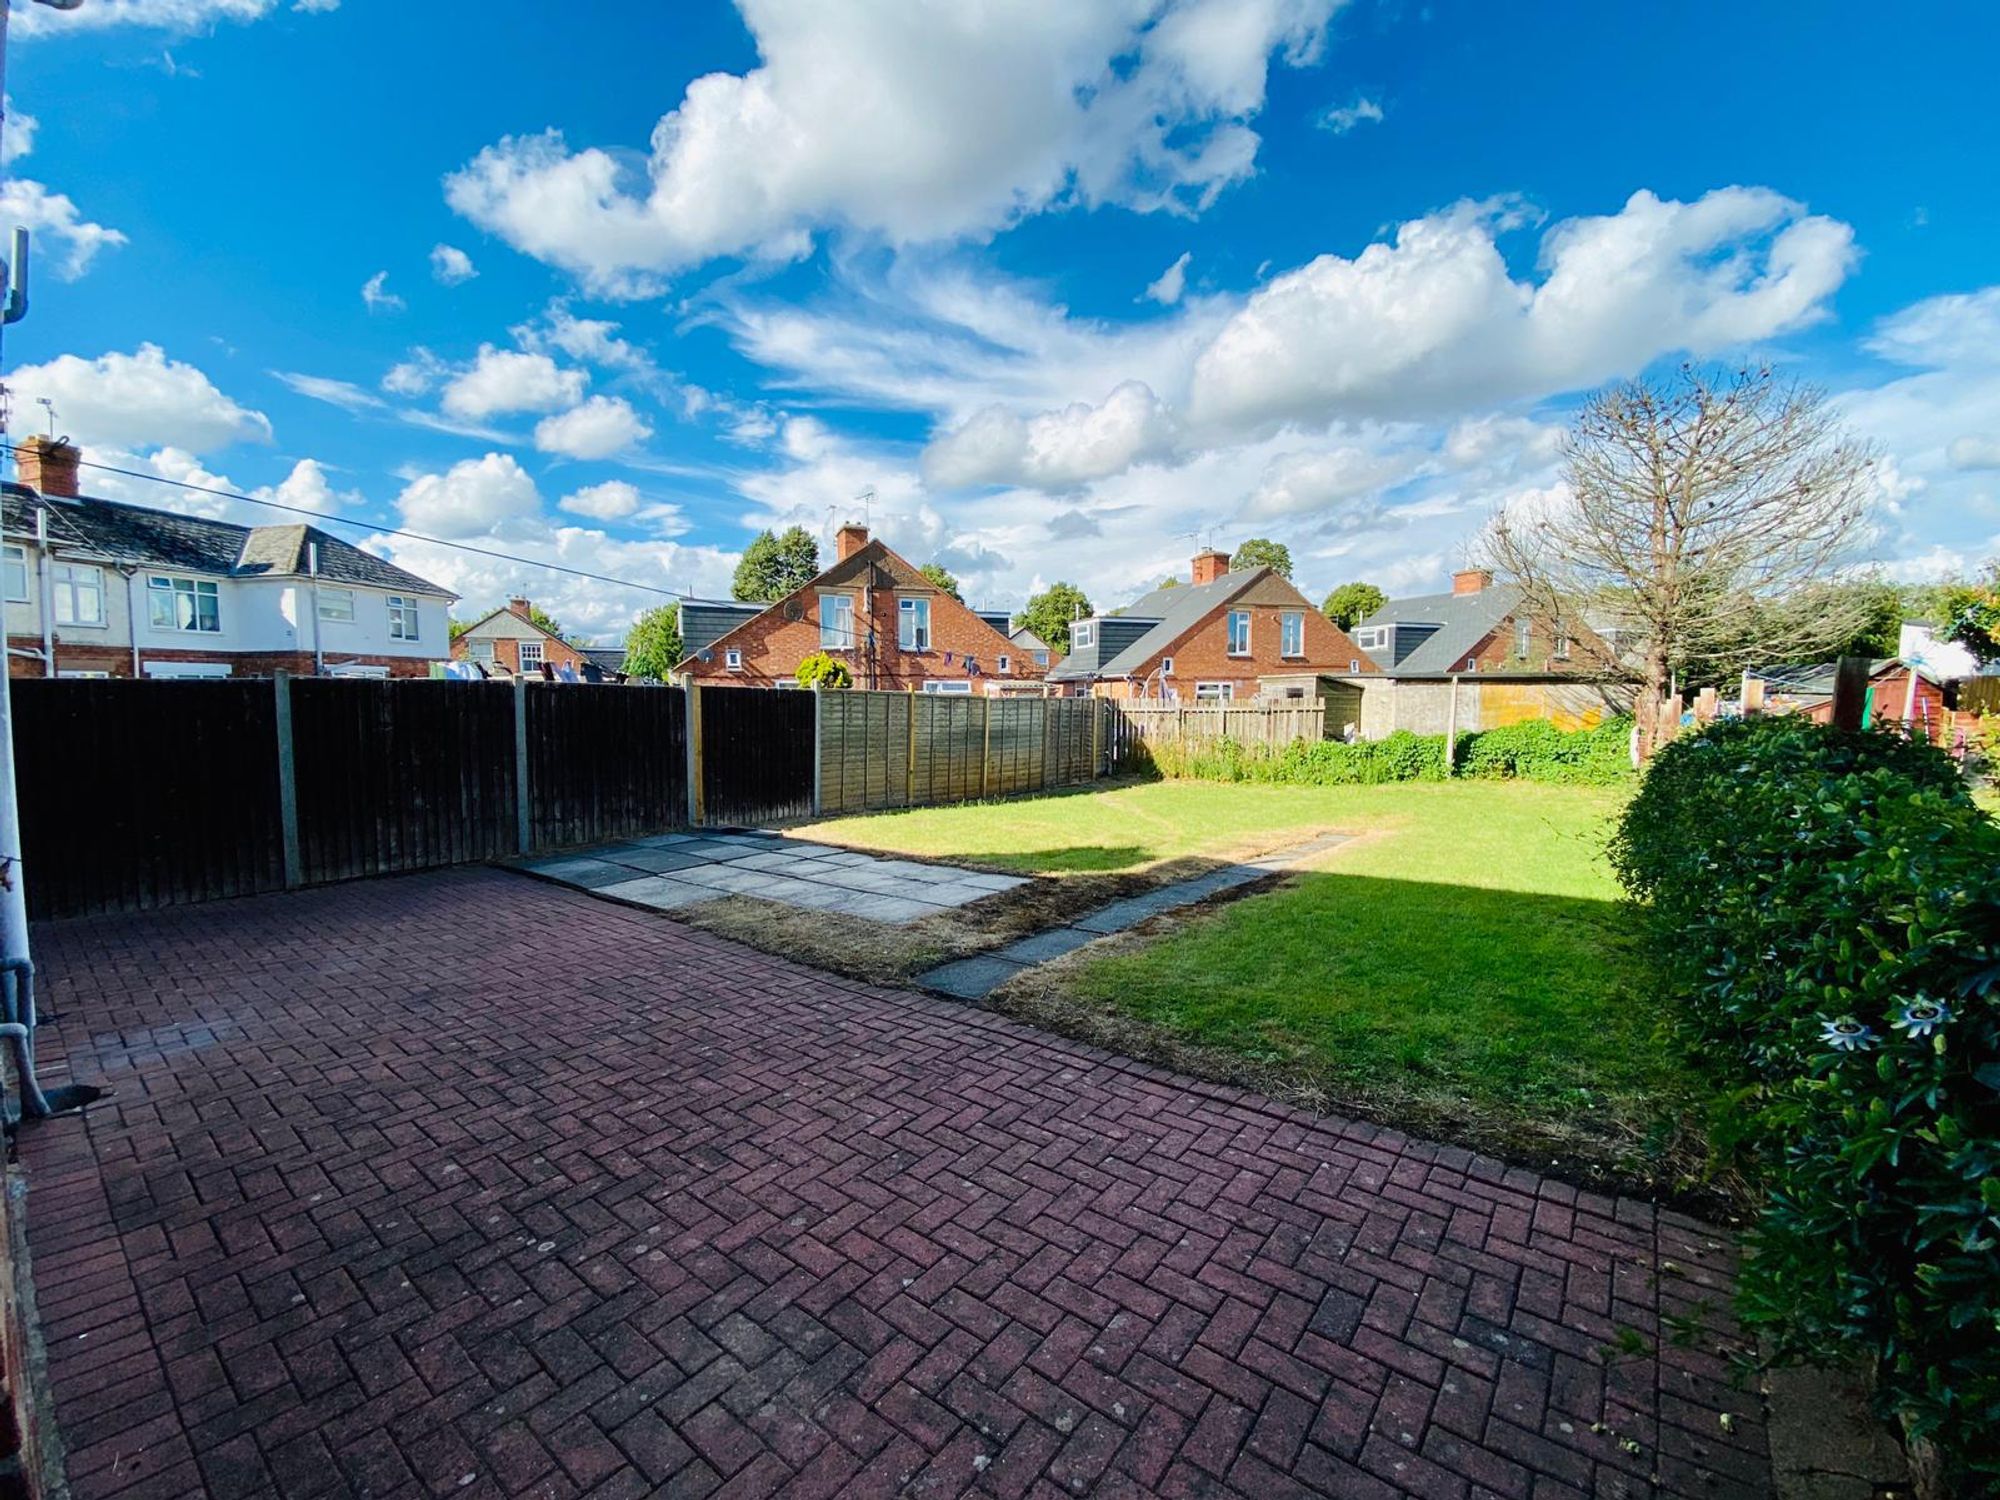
(362, 670)
(1215, 692)
(1230, 623)
(1472, 664)
(521, 657)
(732, 660)
(1292, 633)
(1354, 664)
(72, 672)
(1374, 638)
(1041, 658)
(949, 687)
(833, 636)
(1166, 666)
(1524, 638)
(171, 670)
(14, 564)
(69, 584)
(336, 606)
(789, 685)
(913, 624)
(1562, 643)
(170, 588)
(1082, 633)
(480, 650)
(406, 621)
(1005, 663)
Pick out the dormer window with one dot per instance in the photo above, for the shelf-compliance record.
(1082, 633)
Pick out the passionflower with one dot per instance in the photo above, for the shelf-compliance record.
(1846, 1035)
(1922, 1017)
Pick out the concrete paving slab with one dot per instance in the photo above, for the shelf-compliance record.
(659, 861)
(971, 978)
(897, 911)
(775, 863)
(582, 870)
(991, 882)
(726, 878)
(659, 892)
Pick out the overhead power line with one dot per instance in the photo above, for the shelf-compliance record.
(322, 517)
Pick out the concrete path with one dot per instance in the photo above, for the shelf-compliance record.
(977, 977)
(458, 1184)
(681, 869)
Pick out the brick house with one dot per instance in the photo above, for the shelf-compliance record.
(99, 588)
(894, 628)
(1479, 626)
(509, 640)
(1208, 641)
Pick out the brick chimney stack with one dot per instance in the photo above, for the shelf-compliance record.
(521, 607)
(1470, 580)
(48, 465)
(849, 540)
(1209, 565)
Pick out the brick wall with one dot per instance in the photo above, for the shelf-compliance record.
(772, 645)
(507, 652)
(1202, 653)
(116, 661)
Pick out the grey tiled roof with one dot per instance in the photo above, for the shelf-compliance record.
(1149, 625)
(706, 621)
(163, 539)
(1463, 621)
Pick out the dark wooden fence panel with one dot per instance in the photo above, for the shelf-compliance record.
(756, 755)
(142, 794)
(605, 762)
(396, 776)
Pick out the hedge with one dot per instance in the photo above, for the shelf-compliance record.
(1825, 907)
(1532, 751)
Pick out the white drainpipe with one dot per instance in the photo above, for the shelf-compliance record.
(42, 576)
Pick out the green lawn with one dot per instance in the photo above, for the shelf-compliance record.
(1462, 966)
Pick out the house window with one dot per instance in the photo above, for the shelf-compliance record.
(17, 575)
(1354, 664)
(530, 657)
(403, 619)
(1472, 664)
(336, 604)
(1041, 658)
(1562, 643)
(1215, 692)
(836, 622)
(1006, 662)
(913, 624)
(185, 669)
(1239, 632)
(1291, 633)
(479, 650)
(733, 660)
(1523, 638)
(1082, 633)
(1373, 638)
(78, 590)
(183, 604)
(950, 689)
(1166, 666)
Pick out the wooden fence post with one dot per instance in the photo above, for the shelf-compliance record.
(910, 701)
(523, 824)
(985, 748)
(819, 740)
(1850, 692)
(695, 806)
(1096, 739)
(288, 782)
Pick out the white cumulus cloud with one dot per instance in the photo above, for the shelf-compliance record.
(911, 121)
(613, 500)
(509, 380)
(137, 400)
(1053, 449)
(55, 217)
(600, 427)
(451, 265)
(179, 16)
(473, 498)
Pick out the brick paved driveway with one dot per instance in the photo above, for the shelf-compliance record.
(459, 1185)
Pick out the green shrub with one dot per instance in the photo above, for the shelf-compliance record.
(1536, 751)
(1826, 909)
(824, 670)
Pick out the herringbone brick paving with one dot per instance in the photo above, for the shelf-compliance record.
(458, 1185)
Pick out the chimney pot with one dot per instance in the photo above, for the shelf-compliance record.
(48, 465)
(521, 607)
(849, 540)
(1209, 565)
(1470, 580)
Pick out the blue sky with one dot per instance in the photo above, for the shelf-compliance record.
(1066, 286)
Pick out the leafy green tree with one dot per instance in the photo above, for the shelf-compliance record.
(1877, 608)
(653, 645)
(1351, 603)
(943, 577)
(1048, 614)
(774, 566)
(824, 670)
(1171, 581)
(457, 627)
(1968, 611)
(1262, 552)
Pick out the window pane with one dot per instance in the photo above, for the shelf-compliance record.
(16, 580)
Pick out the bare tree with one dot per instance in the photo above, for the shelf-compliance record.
(1707, 521)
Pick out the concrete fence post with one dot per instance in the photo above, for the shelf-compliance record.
(819, 742)
(695, 800)
(985, 748)
(523, 823)
(288, 782)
